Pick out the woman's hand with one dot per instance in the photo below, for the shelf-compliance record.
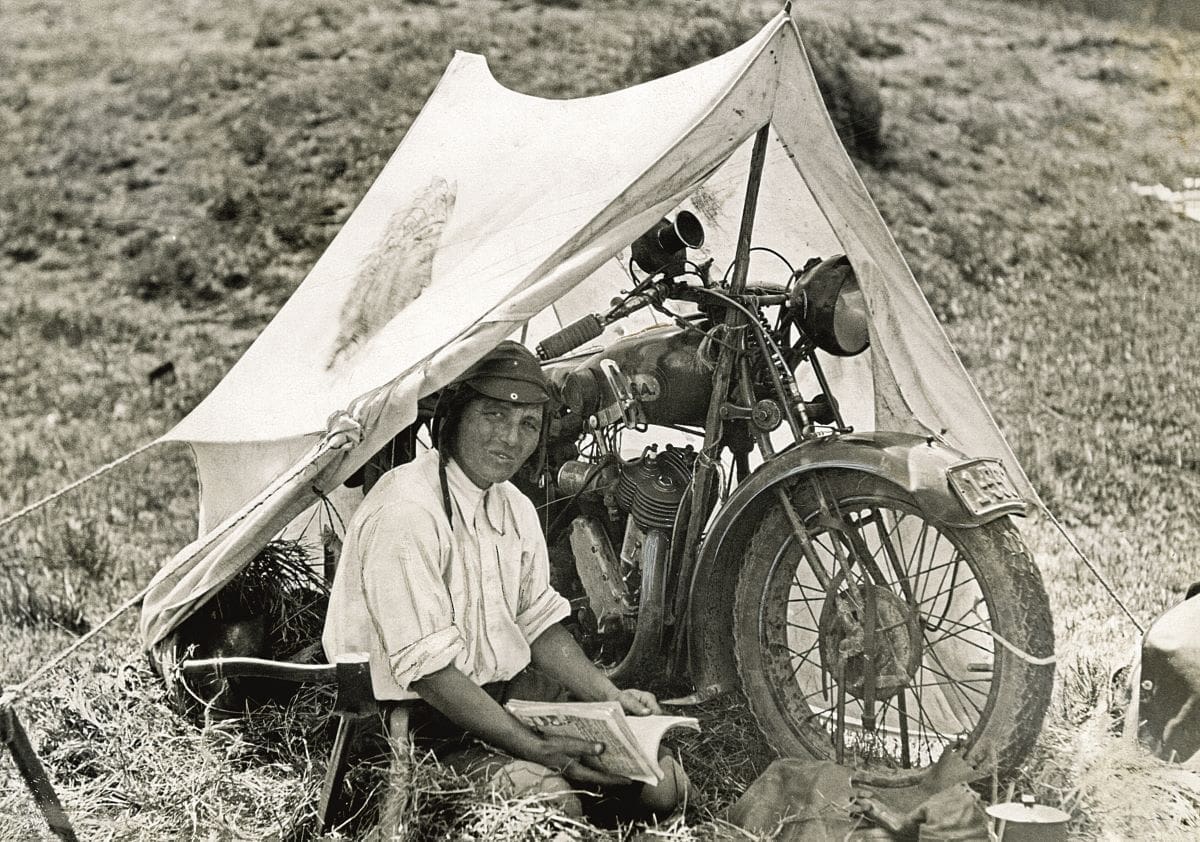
(639, 702)
(571, 758)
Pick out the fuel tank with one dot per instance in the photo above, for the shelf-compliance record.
(663, 366)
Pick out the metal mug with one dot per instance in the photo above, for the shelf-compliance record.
(1028, 821)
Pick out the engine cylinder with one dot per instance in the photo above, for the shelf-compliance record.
(652, 488)
(657, 502)
(635, 474)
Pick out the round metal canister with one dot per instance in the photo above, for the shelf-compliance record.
(1028, 821)
(572, 475)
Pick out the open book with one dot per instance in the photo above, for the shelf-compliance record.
(630, 742)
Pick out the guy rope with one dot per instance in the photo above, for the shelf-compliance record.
(12, 732)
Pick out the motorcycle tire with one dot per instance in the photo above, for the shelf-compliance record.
(939, 654)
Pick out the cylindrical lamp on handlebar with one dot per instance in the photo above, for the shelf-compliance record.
(661, 250)
(664, 247)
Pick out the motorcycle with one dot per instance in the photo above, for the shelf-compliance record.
(866, 591)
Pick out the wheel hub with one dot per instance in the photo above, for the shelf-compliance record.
(895, 653)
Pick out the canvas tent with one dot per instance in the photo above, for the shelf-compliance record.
(501, 212)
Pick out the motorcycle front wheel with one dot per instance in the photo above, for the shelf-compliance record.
(895, 638)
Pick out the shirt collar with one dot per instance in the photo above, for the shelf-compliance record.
(468, 496)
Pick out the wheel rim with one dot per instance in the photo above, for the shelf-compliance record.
(927, 597)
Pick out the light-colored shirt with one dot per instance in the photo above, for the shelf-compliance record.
(417, 596)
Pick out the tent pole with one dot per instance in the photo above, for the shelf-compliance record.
(722, 377)
(741, 266)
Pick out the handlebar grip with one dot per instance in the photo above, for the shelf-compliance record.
(570, 337)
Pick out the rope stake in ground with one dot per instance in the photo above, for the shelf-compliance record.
(12, 734)
(11, 731)
(1091, 567)
(103, 469)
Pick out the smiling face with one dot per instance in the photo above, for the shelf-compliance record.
(494, 439)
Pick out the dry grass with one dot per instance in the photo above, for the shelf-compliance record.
(163, 194)
(1115, 790)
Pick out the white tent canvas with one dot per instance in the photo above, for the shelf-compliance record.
(501, 212)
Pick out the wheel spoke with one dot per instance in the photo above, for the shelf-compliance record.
(937, 540)
(945, 673)
(808, 604)
(955, 636)
(925, 723)
(953, 573)
(894, 555)
(942, 672)
(960, 694)
(797, 583)
(958, 635)
(823, 692)
(900, 517)
(947, 591)
(803, 656)
(933, 569)
(817, 714)
(930, 632)
(857, 524)
(956, 682)
(799, 626)
(918, 550)
(956, 621)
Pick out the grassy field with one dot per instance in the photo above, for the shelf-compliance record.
(1166, 13)
(170, 171)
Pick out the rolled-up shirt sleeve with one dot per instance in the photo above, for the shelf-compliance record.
(539, 605)
(406, 596)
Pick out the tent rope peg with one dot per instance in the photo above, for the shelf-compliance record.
(12, 734)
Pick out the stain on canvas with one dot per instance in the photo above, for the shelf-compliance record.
(396, 269)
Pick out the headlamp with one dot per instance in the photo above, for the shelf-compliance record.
(831, 309)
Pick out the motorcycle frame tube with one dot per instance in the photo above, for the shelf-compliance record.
(915, 464)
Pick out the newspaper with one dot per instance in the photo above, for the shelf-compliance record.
(630, 742)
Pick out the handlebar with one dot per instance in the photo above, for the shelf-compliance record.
(590, 326)
(570, 337)
(644, 295)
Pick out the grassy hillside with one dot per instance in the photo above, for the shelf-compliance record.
(1165, 13)
(170, 171)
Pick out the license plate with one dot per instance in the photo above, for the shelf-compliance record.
(983, 486)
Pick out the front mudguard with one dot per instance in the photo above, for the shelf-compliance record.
(917, 465)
